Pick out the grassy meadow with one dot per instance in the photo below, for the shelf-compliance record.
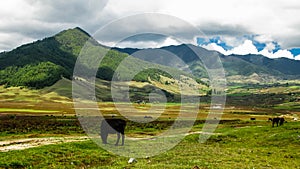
(238, 142)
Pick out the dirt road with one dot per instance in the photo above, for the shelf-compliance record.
(20, 144)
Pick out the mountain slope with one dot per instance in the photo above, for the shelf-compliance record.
(283, 65)
(53, 49)
(245, 66)
(44, 62)
(54, 57)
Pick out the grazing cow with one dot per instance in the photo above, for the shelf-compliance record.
(140, 102)
(281, 121)
(147, 117)
(112, 126)
(277, 120)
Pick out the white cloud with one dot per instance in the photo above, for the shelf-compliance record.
(275, 19)
(138, 44)
(232, 41)
(281, 53)
(246, 48)
(16, 10)
(214, 46)
(144, 44)
(18, 39)
(297, 57)
(263, 38)
(25, 21)
(169, 41)
(130, 31)
(272, 18)
(270, 47)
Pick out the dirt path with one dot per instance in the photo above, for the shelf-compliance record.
(21, 144)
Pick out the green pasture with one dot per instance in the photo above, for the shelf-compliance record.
(238, 142)
(234, 145)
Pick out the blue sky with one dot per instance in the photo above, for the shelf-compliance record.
(248, 44)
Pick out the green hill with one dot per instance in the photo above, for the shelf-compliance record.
(52, 58)
(61, 49)
(234, 65)
(33, 75)
(283, 65)
(44, 62)
(48, 64)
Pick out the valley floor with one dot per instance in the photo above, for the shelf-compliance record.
(40, 129)
(240, 144)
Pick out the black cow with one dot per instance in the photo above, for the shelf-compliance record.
(281, 121)
(277, 120)
(112, 126)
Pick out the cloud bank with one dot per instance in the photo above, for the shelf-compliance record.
(249, 44)
(274, 21)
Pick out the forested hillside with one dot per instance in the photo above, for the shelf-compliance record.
(44, 62)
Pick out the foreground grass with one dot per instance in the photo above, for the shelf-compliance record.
(236, 146)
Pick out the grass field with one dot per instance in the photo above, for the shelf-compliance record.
(238, 142)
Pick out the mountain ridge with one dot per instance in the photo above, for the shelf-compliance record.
(245, 65)
(55, 57)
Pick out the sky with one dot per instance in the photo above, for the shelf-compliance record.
(267, 27)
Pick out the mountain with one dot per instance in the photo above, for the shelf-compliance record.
(283, 65)
(51, 61)
(44, 62)
(60, 49)
(234, 65)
